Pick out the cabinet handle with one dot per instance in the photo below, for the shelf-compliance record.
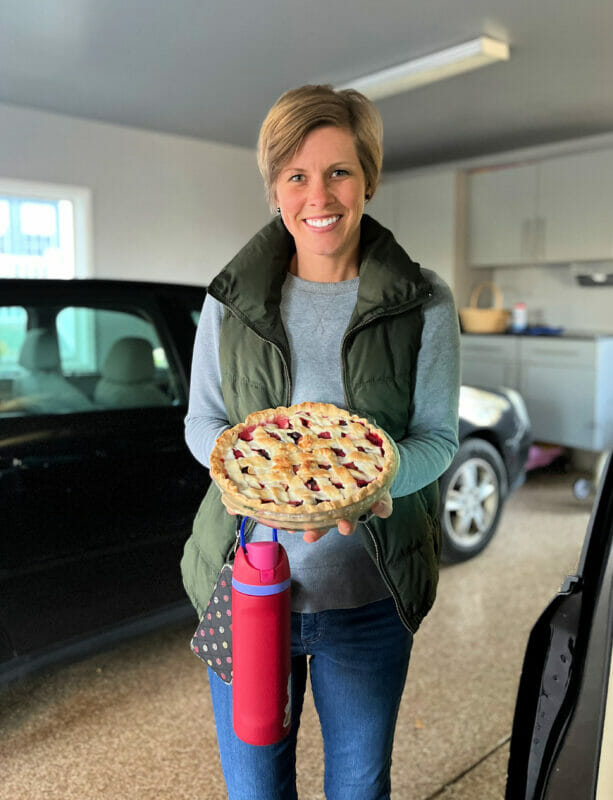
(525, 236)
(555, 353)
(542, 227)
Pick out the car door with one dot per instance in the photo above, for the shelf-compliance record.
(562, 741)
(97, 488)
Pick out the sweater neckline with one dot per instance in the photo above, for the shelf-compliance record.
(294, 283)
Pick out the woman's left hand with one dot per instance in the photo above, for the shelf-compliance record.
(383, 508)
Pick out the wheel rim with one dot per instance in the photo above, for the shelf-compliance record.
(471, 503)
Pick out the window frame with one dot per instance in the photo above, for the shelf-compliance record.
(81, 199)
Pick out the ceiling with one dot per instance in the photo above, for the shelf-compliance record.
(212, 69)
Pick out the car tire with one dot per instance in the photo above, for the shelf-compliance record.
(472, 492)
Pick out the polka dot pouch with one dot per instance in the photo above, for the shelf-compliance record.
(212, 640)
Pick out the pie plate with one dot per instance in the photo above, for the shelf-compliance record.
(296, 521)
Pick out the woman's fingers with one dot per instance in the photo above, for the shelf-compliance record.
(345, 527)
(383, 508)
(315, 534)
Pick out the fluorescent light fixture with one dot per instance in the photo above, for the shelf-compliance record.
(431, 68)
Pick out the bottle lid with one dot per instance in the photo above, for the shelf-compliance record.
(263, 555)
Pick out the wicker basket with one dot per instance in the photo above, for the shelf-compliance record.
(485, 320)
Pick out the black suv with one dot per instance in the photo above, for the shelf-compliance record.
(97, 487)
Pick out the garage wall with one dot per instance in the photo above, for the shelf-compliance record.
(163, 207)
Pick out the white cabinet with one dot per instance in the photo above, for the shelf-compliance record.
(557, 384)
(490, 360)
(420, 210)
(567, 384)
(501, 216)
(555, 210)
(576, 207)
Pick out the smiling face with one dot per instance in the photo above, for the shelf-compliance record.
(320, 192)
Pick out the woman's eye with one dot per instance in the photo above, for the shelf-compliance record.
(340, 173)
(296, 178)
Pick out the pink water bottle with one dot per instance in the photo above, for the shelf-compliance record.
(261, 685)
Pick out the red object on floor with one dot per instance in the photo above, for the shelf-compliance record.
(542, 455)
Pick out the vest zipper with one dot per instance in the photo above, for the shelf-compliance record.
(288, 377)
(365, 324)
(387, 580)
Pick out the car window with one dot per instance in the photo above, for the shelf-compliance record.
(13, 323)
(78, 358)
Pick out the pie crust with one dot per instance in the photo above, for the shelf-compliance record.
(303, 462)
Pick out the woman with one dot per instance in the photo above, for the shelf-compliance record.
(323, 305)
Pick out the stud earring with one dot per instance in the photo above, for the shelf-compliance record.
(367, 197)
(278, 210)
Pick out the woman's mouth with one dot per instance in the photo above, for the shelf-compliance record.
(322, 222)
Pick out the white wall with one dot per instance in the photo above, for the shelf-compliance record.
(164, 207)
(554, 297)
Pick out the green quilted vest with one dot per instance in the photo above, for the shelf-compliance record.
(379, 354)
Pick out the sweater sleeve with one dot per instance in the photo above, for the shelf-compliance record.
(433, 434)
(206, 412)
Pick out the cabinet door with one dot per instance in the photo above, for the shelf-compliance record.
(501, 216)
(560, 404)
(489, 361)
(575, 207)
(557, 383)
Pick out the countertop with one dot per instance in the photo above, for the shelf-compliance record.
(564, 334)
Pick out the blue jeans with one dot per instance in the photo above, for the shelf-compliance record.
(358, 660)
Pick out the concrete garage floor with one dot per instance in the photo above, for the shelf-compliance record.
(137, 722)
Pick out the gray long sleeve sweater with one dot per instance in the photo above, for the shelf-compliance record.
(315, 317)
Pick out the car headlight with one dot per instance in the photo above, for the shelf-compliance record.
(517, 401)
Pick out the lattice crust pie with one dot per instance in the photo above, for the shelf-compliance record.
(305, 459)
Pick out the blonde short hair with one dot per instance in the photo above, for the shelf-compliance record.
(299, 111)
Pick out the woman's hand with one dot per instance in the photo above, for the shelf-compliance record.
(383, 509)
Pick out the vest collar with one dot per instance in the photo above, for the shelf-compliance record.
(250, 285)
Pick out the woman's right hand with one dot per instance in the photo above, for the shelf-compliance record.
(383, 508)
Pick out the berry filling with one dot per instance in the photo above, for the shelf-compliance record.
(245, 434)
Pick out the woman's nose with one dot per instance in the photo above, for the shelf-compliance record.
(319, 192)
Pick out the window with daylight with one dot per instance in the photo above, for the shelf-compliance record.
(44, 230)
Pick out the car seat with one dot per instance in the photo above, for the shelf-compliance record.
(44, 390)
(128, 376)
